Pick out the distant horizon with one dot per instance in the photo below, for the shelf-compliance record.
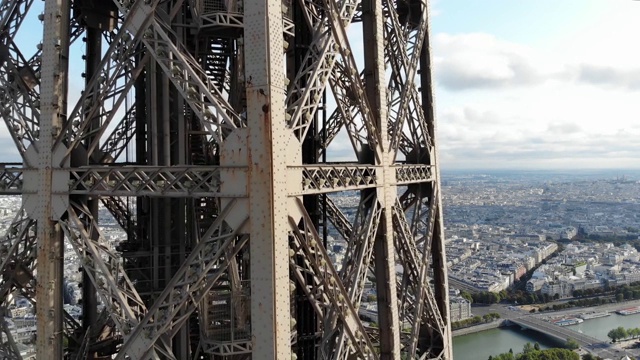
(444, 168)
(613, 171)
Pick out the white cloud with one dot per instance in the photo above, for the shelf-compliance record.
(609, 76)
(470, 138)
(473, 61)
(504, 105)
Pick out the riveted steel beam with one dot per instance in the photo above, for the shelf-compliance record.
(175, 181)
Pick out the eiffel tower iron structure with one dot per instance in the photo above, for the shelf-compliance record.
(272, 163)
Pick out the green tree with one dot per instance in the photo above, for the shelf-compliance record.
(467, 296)
(505, 356)
(618, 333)
(533, 354)
(527, 348)
(550, 354)
(495, 298)
(633, 332)
(622, 332)
(571, 344)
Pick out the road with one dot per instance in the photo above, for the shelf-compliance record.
(506, 313)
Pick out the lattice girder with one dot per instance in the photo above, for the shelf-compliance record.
(190, 284)
(327, 291)
(17, 265)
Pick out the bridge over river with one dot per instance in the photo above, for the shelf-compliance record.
(562, 333)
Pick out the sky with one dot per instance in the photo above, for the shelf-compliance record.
(538, 84)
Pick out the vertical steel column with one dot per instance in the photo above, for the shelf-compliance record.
(55, 54)
(89, 295)
(267, 145)
(441, 282)
(142, 153)
(385, 263)
(177, 212)
(307, 322)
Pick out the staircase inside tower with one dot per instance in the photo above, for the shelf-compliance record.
(225, 324)
(216, 52)
(202, 152)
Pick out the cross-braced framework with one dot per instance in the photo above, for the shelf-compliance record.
(272, 165)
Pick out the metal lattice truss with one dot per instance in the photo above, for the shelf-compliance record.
(329, 59)
(201, 181)
(11, 179)
(326, 290)
(244, 126)
(8, 347)
(355, 267)
(417, 305)
(333, 178)
(415, 298)
(206, 263)
(17, 254)
(147, 181)
(20, 77)
(105, 268)
(403, 54)
(17, 267)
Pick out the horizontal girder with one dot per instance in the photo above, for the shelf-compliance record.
(202, 181)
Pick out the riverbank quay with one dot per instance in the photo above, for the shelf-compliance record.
(612, 307)
(632, 345)
(477, 328)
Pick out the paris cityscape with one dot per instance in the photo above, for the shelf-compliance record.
(561, 235)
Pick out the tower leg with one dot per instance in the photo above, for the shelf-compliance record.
(55, 53)
(267, 146)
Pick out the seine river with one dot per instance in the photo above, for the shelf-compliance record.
(481, 345)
